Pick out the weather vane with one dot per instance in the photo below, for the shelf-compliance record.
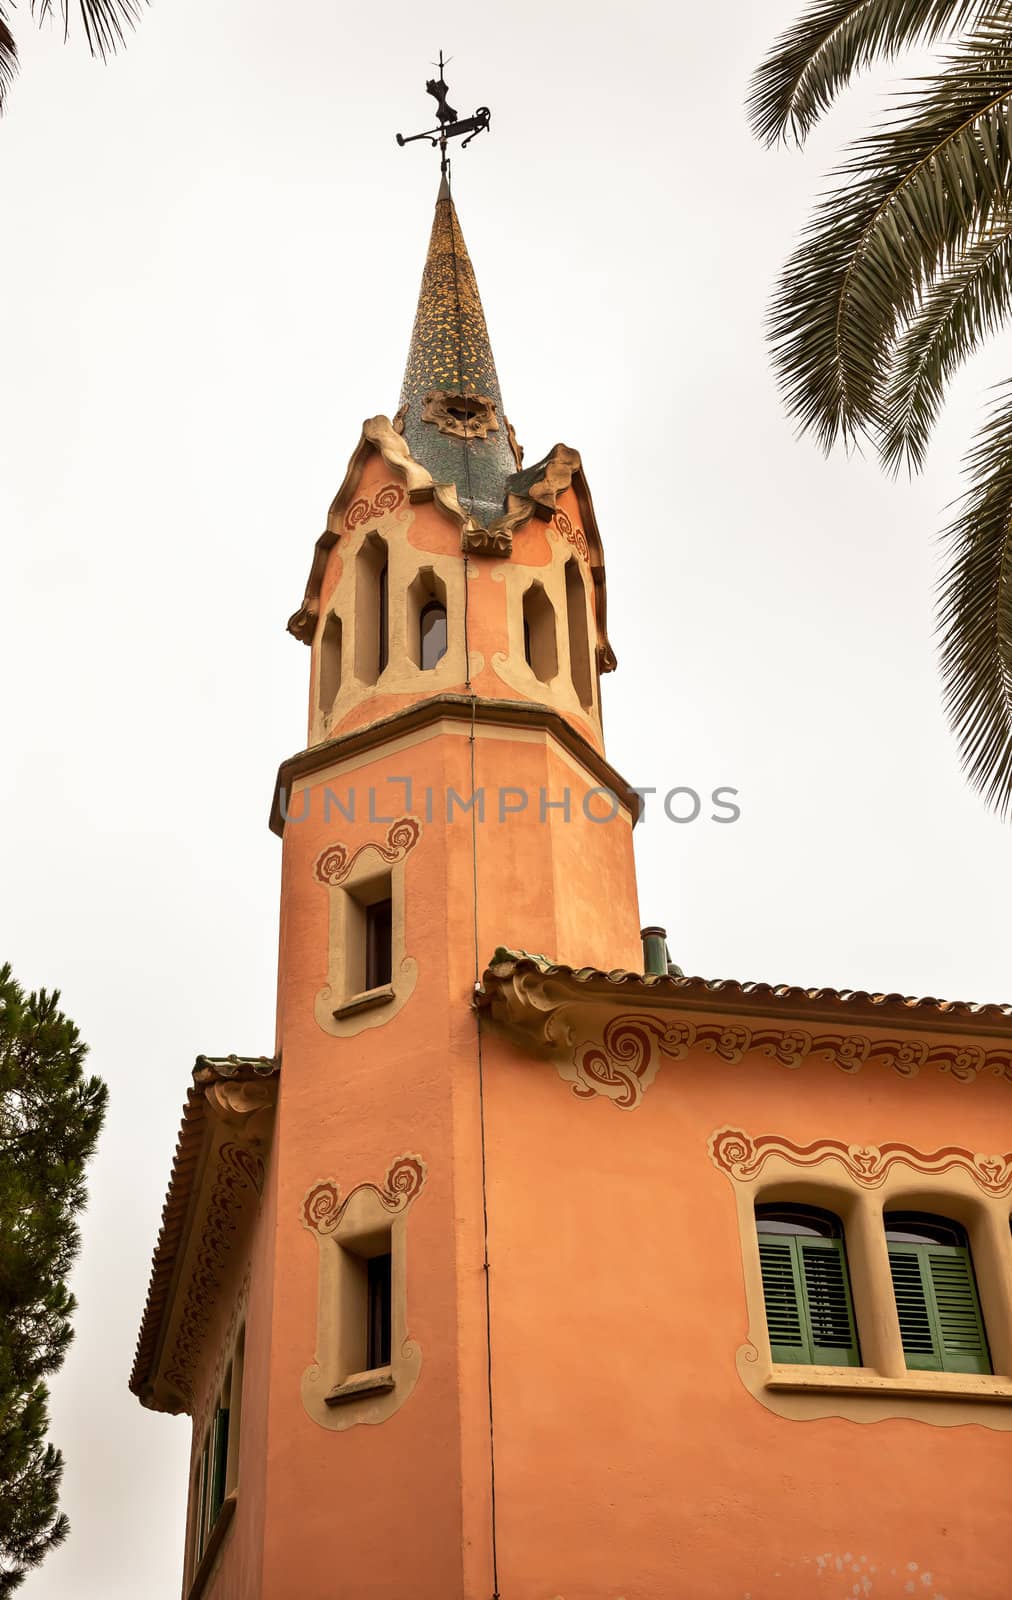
(450, 125)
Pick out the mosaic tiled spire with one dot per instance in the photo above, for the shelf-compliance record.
(449, 362)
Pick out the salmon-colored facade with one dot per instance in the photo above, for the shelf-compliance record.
(465, 1286)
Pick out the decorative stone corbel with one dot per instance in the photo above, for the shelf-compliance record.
(245, 1106)
(478, 541)
(592, 1049)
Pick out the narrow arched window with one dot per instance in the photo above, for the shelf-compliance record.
(372, 609)
(330, 663)
(540, 647)
(806, 1286)
(431, 634)
(383, 619)
(936, 1293)
(579, 640)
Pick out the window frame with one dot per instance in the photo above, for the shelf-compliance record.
(799, 1252)
(884, 1386)
(214, 1483)
(339, 1389)
(931, 1297)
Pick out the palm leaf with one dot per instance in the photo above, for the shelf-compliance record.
(105, 21)
(913, 195)
(8, 57)
(970, 299)
(975, 616)
(810, 63)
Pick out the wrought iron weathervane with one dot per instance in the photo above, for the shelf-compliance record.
(450, 125)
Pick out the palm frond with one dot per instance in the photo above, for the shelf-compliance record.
(975, 614)
(969, 299)
(913, 195)
(834, 39)
(8, 58)
(105, 21)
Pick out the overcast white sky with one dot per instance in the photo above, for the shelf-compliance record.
(210, 262)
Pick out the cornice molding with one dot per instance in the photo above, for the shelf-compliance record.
(454, 708)
(604, 1041)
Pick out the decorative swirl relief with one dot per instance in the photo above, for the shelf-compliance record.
(333, 864)
(323, 1208)
(626, 1061)
(383, 501)
(743, 1158)
(576, 536)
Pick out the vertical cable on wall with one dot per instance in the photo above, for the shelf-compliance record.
(472, 746)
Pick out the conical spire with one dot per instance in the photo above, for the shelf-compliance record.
(451, 406)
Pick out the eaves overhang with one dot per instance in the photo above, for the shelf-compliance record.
(609, 1032)
(230, 1104)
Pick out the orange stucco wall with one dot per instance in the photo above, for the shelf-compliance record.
(631, 1462)
(348, 1106)
(630, 1458)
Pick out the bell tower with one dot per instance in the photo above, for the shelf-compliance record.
(446, 564)
(323, 1266)
(453, 796)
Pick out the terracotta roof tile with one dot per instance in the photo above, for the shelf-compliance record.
(923, 1011)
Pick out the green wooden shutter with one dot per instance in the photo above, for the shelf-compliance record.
(828, 1303)
(782, 1292)
(202, 1502)
(957, 1309)
(936, 1299)
(809, 1312)
(917, 1330)
(219, 1462)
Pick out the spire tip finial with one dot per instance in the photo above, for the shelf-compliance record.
(450, 126)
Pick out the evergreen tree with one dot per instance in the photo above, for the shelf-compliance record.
(50, 1118)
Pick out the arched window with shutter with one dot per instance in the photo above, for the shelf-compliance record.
(806, 1286)
(936, 1293)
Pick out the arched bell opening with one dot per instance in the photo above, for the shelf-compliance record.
(372, 609)
(577, 620)
(541, 649)
(428, 620)
(329, 671)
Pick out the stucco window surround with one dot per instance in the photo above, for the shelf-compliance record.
(380, 543)
(338, 1390)
(356, 880)
(859, 1183)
